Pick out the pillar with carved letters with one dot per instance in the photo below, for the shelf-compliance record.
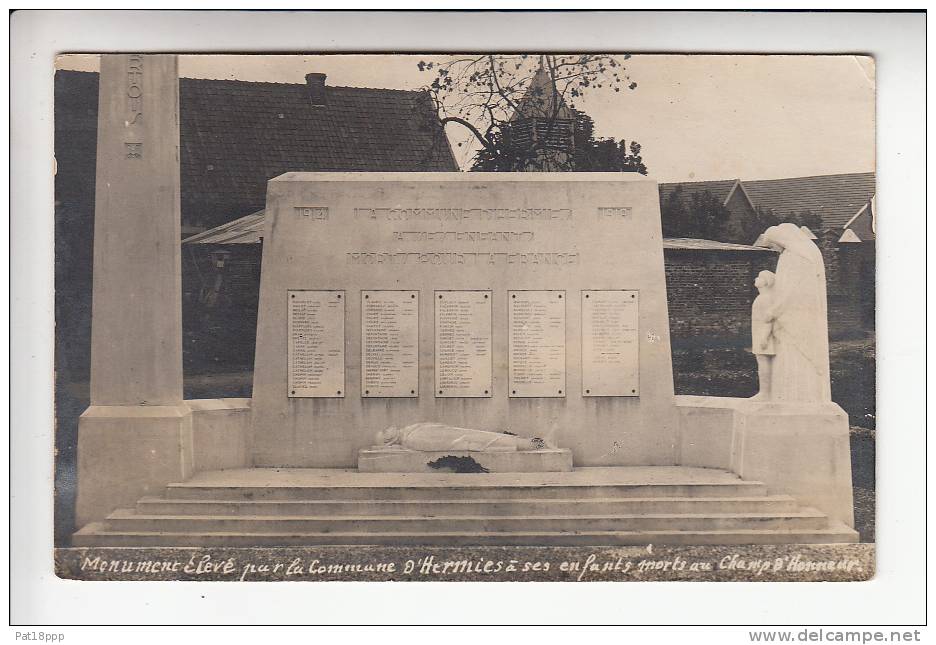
(137, 435)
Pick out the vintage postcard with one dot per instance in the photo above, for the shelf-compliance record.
(465, 317)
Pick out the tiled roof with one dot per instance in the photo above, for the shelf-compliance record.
(862, 223)
(835, 198)
(720, 188)
(693, 244)
(244, 230)
(236, 135)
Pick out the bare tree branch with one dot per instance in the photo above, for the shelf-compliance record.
(477, 133)
(483, 93)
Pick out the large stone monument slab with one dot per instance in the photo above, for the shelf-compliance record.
(533, 303)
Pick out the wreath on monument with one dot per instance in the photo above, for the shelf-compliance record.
(454, 464)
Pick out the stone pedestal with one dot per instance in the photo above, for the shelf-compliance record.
(400, 460)
(798, 449)
(136, 436)
(129, 452)
(220, 433)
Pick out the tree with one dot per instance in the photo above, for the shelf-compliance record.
(699, 215)
(807, 218)
(589, 154)
(750, 229)
(595, 155)
(483, 94)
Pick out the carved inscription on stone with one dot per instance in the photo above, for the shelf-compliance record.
(463, 356)
(614, 212)
(610, 343)
(467, 259)
(463, 236)
(537, 343)
(134, 149)
(389, 343)
(458, 214)
(316, 343)
(319, 213)
(135, 88)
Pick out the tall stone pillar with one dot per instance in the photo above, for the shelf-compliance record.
(137, 434)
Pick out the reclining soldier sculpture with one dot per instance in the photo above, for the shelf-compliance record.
(431, 437)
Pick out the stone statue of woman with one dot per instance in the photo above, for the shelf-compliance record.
(800, 369)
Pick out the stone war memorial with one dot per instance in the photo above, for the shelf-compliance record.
(442, 359)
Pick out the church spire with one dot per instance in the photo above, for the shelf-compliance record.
(543, 124)
(542, 99)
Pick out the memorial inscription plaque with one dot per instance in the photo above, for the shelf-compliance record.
(316, 358)
(537, 343)
(610, 343)
(463, 344)
(389, 343)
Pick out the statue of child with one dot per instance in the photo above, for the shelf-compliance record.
(762, 339)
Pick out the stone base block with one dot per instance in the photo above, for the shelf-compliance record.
(706, 431)
(797, 449)
(129, 452)
(221, 433)
(396, 460)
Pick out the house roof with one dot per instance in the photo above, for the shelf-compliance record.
(849, 236)
(835, 198)
(862, 223)
(694, 244)
(236, 135)
(244, 230)
(721, 188)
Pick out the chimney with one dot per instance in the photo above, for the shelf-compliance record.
(316, 85)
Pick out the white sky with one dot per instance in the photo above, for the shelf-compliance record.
(696, 116)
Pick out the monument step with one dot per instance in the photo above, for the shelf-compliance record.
(464, 492)
(587, 506)
(128, 520)
(436, 507)
(97, 534)
(337, 484)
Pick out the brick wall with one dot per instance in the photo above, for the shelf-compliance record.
(710, 293)
(850, 284)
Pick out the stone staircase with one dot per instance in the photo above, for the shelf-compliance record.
(588, 506)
